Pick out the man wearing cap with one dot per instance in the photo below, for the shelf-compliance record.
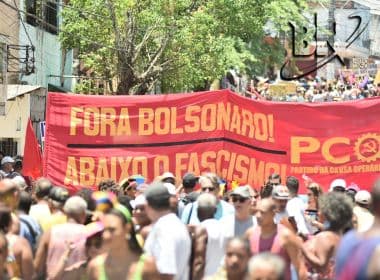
(188, 194)
(168, 177)
(173, 197)
(352, 190)
(338, 185)
(169, 241)
(57, 198)
(361, 210)
(236, 225)
(280, 196)
(7, 167)
(209, 183)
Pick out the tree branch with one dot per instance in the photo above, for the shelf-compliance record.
(146, 37)
(156, 57)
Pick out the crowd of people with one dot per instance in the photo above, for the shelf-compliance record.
(189, 229)
(312, 89)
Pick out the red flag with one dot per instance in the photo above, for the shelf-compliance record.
(32, 162)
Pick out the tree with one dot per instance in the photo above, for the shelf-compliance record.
(183, 44)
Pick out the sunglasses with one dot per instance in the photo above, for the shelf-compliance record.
(210, 189)
(240, 199)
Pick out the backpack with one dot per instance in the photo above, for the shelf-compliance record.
(33, 233)
(190, 198)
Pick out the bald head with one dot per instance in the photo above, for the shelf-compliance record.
(9, 193)
(75, 207)
(7, 185)
(266, 266)
(265, 212)
(206, 206)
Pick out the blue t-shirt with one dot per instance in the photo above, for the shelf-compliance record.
(30, 230)
(190, 213)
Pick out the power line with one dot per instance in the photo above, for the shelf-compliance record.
(22, 21)
(15, 8)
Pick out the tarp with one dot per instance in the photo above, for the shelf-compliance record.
(89, 138)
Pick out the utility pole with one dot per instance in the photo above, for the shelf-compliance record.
(332, 29)
(4, 80)
(332, 24)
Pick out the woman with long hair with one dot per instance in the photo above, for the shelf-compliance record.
(335, 212)
(314, 191)
(121, 249)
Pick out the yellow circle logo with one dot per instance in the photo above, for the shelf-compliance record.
(367, 147)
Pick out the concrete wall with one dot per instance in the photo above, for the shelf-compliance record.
(9, 29)
(48, 56)
(13, 124)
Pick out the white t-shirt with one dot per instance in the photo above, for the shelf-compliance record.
(296, 208)
(364, 217)
(216, 242)
(169, 243)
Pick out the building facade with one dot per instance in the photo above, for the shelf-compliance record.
(32, 62)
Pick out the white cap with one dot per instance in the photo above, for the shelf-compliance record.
(171, 188)
(338, 183)
(363, 197)
(7, 159)
(167, 175)
(139, 200)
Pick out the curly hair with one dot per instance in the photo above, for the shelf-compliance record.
(108, 185)
(337, 209)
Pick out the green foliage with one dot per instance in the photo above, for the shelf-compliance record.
(184, 44)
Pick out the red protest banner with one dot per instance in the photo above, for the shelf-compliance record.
(89, 138)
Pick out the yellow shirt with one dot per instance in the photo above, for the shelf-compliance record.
(54, 219)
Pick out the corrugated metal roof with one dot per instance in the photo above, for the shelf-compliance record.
(16, 90)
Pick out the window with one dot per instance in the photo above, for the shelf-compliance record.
(8, 146)
(51, 13)
(31, 10)
(43, 14)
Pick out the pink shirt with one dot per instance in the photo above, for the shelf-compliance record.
(61, 235)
